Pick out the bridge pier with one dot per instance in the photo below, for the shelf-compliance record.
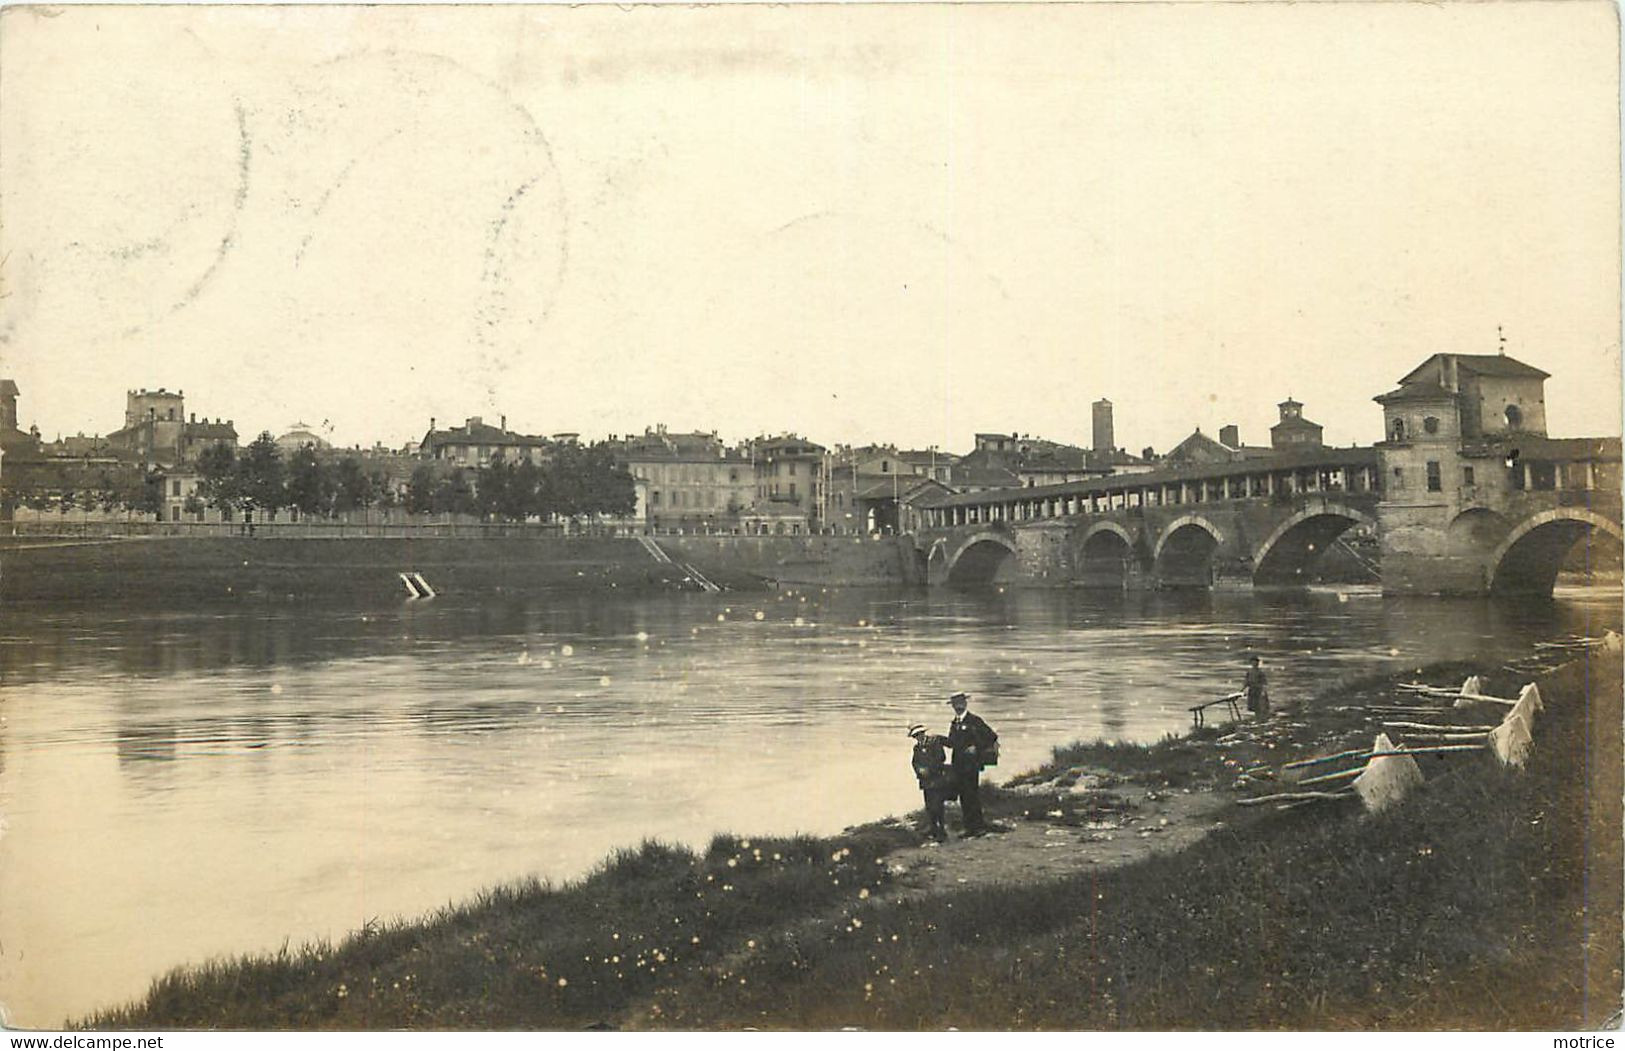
(1516, 547)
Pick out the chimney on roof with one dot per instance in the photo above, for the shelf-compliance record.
(194, 417)
(431, 423)
(1148, 453)
(475, 421)
(504, 421)
(1230, 435)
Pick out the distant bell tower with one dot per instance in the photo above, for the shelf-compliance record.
(1294, 431)
(1103, 439)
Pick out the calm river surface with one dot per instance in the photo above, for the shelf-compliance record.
(181, 785)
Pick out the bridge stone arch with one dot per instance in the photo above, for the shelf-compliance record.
(1290, 552)
(980, 560)
(1477, 531)
(1528, 560)
(1114, 528)
(1106, 556)
(1183, 555)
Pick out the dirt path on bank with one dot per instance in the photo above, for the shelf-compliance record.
(1038, 849)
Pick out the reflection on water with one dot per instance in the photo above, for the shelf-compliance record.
(181, 785)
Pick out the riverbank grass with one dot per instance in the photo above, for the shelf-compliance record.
(1490, 899)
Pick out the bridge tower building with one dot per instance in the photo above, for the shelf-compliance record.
(1468, 471)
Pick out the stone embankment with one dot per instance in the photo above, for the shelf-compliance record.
(172, 570)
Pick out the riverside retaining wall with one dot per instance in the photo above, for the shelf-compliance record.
(167, 571)
(830, 560)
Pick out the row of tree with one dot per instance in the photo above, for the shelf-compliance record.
(109, 490)
(258, 479)
(577, 480)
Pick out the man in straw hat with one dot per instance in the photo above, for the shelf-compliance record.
(936, 779)
(974, 746)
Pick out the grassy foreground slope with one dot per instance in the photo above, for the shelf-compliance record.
(1491, 899)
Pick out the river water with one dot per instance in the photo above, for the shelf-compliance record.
(181, 785)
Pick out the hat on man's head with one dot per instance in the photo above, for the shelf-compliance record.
(916, 730)
(958, 697)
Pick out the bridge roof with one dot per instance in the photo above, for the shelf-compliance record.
(1483, 364)
(1416, 392)
(1534, 447)
(1285, 460)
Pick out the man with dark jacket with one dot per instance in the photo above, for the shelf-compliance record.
(973, 742)
(1256, 685)
(936, 779)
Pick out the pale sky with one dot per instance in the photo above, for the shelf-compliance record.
(895, 224)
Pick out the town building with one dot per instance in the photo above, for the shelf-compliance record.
(476, 443)
(996, 462)
(973, 475)
(81, 446)
(158, 431)
(689, 482)
(1002, 461)
(16, 444)
(1199, 448)
(182, 501)
(1118, 461)
(1488, 394)
(868, 489)
(79, 477)
(1103, 456)
(930, 463)
(1293, 431)
(1101, 413)
(300, 436)
(789, 472)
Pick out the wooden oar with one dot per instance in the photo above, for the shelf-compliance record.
(1326, 758)
(1437, 691)
(1294, 796)
(1353, 771)
(1435, 749)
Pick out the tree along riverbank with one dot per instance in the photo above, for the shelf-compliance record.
(1129, 892)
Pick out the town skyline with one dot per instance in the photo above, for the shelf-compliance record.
(324, 431)
(853, 224)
